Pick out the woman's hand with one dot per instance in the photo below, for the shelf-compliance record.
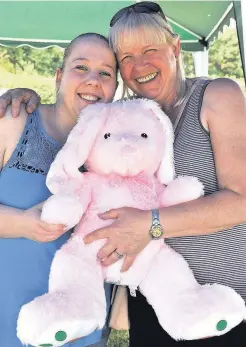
(15, 97)
(128, 235)
(32, 227)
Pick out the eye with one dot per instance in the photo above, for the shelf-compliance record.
(149, 51)
(126, 59)
(105, 73)
(81, 67)
(145, 136)
(107, 135)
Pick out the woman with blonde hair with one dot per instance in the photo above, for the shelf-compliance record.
(209, 118)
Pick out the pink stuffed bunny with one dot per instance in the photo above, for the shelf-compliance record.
(128, 150)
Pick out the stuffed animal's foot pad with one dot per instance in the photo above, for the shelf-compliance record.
(53, 320)
(216, 310)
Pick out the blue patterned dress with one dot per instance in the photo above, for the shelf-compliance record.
(25, 264)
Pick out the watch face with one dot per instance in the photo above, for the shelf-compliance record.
(156, 231)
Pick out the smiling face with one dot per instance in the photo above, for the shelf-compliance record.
(148, 53)
(89, 76)
(150, 70)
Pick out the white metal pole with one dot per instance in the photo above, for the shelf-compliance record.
(200, 59)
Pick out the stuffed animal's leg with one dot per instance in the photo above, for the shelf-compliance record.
(139, 268)
(182, 189)
(74, 306)
(185, 309)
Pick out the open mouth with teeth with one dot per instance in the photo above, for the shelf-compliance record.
(89, 97)
(147, 78)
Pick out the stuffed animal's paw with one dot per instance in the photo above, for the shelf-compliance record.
(182, 189)
(55, 319)
(216, 310)
(197, 313)
(62, 209)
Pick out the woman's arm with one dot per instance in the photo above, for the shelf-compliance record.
(224, 114)
(16, 97)
(15, 222)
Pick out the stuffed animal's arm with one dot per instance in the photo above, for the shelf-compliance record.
(182, 189)
(68, 207)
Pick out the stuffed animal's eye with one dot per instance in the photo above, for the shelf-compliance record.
(144, 135)
(106, 136)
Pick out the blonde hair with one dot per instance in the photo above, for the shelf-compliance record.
(146, 29)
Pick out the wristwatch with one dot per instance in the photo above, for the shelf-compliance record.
(156, 230)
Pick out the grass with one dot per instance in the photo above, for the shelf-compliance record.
(118, 339)
(45, 86)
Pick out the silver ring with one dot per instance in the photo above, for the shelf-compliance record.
(118, 255)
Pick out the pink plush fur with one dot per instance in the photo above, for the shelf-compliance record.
(128, 150)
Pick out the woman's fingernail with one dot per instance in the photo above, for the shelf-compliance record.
(30, 108)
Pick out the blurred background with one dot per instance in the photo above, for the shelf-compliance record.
(35, 68)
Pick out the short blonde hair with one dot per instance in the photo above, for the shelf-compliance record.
(146, 29)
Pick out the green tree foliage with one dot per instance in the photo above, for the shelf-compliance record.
(42, 62)
(188, 64)
(224, 56)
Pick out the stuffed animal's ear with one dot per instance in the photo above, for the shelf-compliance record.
(166, 170)
(64, 171)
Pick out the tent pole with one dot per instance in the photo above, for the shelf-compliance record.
(240, 17)
(200, 59)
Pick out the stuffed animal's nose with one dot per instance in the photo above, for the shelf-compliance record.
(128, 139)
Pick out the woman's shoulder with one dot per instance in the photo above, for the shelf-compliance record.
(222, 88)
(222, 97)
(222, 93)
(10, 132)
(12, 124)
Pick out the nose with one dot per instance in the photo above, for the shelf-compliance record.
(92, 80)
(128, 143)
(128, 139)
(140, 62)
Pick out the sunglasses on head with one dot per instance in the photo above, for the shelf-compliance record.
(140, 7)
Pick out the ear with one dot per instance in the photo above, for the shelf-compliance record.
(58, 77)
(166, 170)
(176, 47)
(64, 171)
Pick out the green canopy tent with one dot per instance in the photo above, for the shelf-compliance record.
(45, 23)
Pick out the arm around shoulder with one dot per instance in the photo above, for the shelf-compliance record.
(17, 98)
